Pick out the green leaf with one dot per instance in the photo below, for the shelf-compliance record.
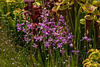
(90, 45)
(82, 21)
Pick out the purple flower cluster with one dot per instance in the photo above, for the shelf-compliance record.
(19, 26)
(86, 38)
(26, 29)
(26, 38)
(35, 46)
(73, 51)
(38, 38)
(53, 34)
(62, 51)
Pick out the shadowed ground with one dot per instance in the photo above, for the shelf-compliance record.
(9, 57)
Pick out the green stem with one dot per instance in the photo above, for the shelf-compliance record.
(31, 59)
(71, 22)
